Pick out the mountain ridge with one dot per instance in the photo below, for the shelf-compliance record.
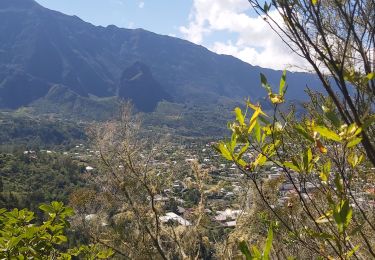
(45, 48)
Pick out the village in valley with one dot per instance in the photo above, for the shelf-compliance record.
(228, 190)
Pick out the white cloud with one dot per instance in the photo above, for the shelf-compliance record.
(254, 41)
(141, 4)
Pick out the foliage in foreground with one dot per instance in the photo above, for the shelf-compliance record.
(23, 237)
(326, 212)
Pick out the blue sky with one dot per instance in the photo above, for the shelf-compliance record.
(223, 26)
(160, 16)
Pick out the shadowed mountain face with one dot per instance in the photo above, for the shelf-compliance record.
(40, 48)
(138, 84)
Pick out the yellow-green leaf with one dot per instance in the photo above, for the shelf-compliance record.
(224, 151)
(370, 76)
(255, 107)
(354, 159)
(261, 159)
(292, 166)
(327, 133)
(253, 119)
(325, 172)
(325, 218)
(239, 116)
(354, 142)
(301, 130)
(257, 131)
(282, 83)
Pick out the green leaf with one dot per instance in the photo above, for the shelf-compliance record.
(342, 215)
(354, 159)
(324, 218)
(351, 252)
(325, 171)
(13, 242)
(245, 250)
(242, 151)
(239, 116)
(260, 161)
(256, 253)
(254, 120)
(268, 245)
(292, 166)
(354, 142)
(60, 239)
(257, 131)
(327, 133)
(370, 76)
(354, 130)
(57, 205)
(266, 7)
(307, 159)
(105, 254)
(46, 208)
(67, 212)
(264, 82)
(346, 213)
(314, 2)
(233, 143)
(223, 150)
(301, 130)
(282, 83)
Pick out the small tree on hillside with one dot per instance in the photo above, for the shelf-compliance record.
(134, 179)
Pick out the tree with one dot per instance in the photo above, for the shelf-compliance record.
(337, 38)
(132, 178)
(326, 158)
(326, 174)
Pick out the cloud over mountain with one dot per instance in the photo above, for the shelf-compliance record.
(255, 42)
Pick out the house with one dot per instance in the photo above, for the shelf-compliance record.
(227, 214)
(230, 223)
(171, 216)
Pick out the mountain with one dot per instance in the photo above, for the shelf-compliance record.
(42, 48)
(138, 84)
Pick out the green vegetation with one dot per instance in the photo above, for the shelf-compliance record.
(327, 211)
(19, 130)
(37, 177)
(322, 196)
(22, 237)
